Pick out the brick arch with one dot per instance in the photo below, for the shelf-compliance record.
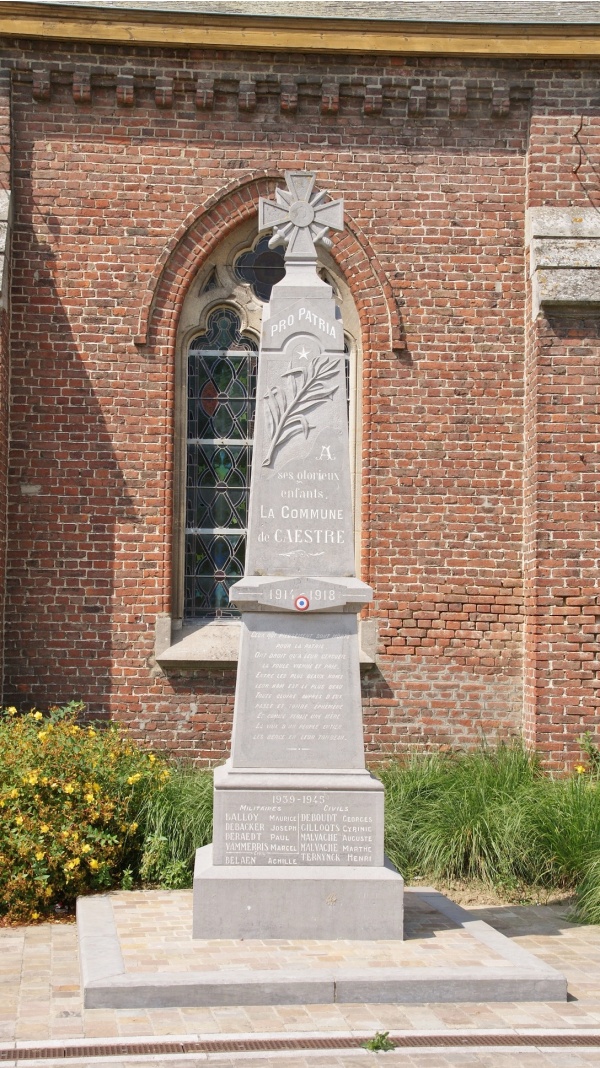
(180, 263)
(205, 228)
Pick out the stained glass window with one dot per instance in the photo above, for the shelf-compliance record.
(221, 401)
(260, 267)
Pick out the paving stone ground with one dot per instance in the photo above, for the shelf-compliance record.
(155, 936)
(40, 999)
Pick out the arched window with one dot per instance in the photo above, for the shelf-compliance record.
(218, 345)
(221, 391)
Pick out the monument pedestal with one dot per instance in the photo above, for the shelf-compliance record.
(316, 901)
(296, 854)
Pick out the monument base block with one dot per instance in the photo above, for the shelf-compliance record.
(300, 902)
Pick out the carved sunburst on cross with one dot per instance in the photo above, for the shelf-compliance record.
(299, 218)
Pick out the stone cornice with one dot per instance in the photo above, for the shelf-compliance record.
(21, 18)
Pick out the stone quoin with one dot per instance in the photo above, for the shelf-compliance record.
(136, 140)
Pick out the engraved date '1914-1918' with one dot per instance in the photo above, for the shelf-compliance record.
(286, 408)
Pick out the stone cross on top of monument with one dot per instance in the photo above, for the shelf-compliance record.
(299, 218)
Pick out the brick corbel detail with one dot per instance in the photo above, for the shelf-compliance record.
(417, 101)
(373, 102)
(41, 85)
(82, 87)
(205, 93)
(247, 96)
(288, 100)
(163, 92)
(330, 98)
(326, 93)
(125, 90)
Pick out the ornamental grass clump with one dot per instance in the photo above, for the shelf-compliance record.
(177, 820)
(69, 795)
(492, 815)
(452, 815)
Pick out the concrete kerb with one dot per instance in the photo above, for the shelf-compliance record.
(107, 984)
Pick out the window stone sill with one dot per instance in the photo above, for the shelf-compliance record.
(216, 644)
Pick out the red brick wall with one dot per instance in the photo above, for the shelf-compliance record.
(5, 182)
(562, 502)
(117, 181)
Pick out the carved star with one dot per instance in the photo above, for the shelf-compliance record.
(303, 353)
(298, 217)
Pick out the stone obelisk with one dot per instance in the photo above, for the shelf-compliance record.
(297, 846)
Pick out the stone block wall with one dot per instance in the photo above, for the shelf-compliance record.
(128, 169)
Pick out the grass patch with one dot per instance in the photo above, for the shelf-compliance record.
(493, 817)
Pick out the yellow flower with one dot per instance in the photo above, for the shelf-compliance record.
(48, 891)
(94, 865)
(69, 788)
(32, 780)
(37, 715)
(89, 797)
(133, 827)
(39, 855)
(12, 710)
(580, 769)
(91, 731)
(14, 793)
(165, 774)
(134, 778)
(35, 915)
(44, 828)
(19, 821)
(152, 758)
(86, 848)
(42, 735)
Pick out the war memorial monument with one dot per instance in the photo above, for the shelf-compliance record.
(294, 902)
(297, 848)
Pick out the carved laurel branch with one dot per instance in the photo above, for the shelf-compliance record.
(286, 408)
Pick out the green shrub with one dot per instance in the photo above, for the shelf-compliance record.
(69, 796)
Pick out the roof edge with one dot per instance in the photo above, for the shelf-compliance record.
(93, 24)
